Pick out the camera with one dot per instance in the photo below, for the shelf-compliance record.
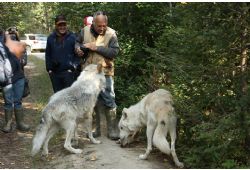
(12, 30)
(84, 50)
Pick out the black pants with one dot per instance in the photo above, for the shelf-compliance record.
(61, 80)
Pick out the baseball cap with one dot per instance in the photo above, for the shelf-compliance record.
(60, 19)
(88, 20)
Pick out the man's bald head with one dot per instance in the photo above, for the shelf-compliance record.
(100, 22)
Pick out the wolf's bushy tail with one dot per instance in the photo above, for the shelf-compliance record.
(39, 137)
(159, 138)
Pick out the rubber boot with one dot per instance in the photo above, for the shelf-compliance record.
(98, 109)
(19, 121)
(8, 119)
(112, 126)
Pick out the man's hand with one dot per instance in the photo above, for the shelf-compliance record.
(91, 46)
(79, 52)
(15, 47)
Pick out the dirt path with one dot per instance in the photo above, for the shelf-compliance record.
(107, 155)
(15, 147)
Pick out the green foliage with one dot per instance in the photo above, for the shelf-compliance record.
(200, 48)
(216, 145)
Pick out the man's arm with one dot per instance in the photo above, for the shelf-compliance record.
(112, 50)
(78, 43)
(48, 57)
(79, 39)
(24, 59)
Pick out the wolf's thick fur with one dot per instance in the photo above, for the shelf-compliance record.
(155, 111)
(66, 106)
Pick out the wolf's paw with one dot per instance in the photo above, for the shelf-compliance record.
(143, 156)
(77, 151)
(180, 165)
(96, 142)
(45, 153)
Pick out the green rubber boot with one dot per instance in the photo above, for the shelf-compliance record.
(19, 120)
(8, 119)
(112, 125)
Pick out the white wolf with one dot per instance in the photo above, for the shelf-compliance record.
(155, 111)
(67, 106)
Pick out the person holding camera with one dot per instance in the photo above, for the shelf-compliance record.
(97, 44)
(13, 87)
(60, 58)
(14, 35)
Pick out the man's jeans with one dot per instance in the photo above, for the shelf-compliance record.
(107, 96)
(61, 80)
(12, 94)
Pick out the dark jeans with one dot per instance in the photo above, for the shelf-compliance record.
(12, 95)
(107, 96)
(61, 80)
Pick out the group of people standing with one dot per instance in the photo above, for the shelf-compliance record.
(65, 56)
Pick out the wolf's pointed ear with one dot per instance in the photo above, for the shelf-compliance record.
(99, 68)
(124, 113)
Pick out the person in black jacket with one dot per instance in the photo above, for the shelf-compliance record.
(13, 90)
(61, 61)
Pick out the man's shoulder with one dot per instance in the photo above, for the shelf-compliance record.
(111, 31)
(71, 34)
(85, 28)
(51, 35)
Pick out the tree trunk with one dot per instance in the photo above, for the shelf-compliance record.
(46, 18)
(243, 83)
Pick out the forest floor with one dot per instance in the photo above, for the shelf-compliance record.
(15, 147)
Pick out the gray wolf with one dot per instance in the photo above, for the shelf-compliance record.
(156, 112)
(67, 106)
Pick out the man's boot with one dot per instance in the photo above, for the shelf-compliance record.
(8, 119)
(98, 109)
(19, 120)
(112, 126)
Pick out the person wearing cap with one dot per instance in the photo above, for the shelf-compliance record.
(60, 58)
(88, 21)
(102, 47)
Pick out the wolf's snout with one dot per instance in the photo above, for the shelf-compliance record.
(118, 141)
(123, 142)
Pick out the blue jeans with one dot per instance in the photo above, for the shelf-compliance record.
(107, 96)
(12, 95)
(61, 80)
